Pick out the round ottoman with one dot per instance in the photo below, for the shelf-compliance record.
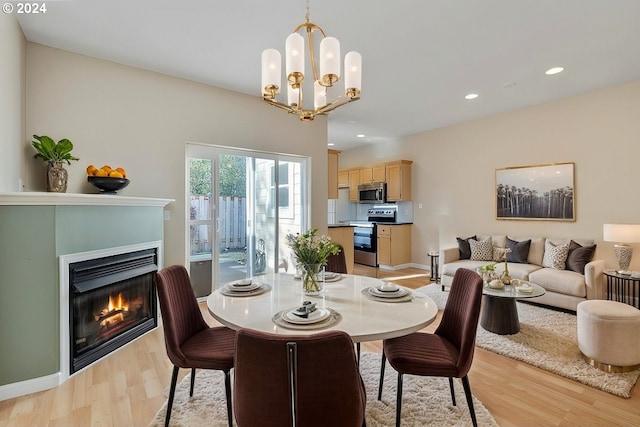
(609, 335)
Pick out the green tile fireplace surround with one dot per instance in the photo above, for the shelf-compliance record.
(34, 232)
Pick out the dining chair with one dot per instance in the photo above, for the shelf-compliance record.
(190, 342)
(337, 263)
(295, 380)
(448, 352)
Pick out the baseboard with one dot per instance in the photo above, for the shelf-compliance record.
(401, 266)
(34, 385)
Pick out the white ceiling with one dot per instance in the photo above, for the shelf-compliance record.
(419, 57)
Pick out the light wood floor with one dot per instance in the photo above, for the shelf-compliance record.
(128, 387)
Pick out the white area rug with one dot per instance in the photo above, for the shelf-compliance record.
(425, 402)
(547, 340)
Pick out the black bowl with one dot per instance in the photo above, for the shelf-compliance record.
(107, 184)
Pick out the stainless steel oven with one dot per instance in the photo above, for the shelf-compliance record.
(365, 239)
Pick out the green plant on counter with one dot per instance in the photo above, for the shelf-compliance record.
(51, 151)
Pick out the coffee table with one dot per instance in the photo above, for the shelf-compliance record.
(499, 311)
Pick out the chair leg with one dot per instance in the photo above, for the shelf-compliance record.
(382, 365)
(358, 352)
(227, 390)
(193, 381)
(172, 393)
(453, 395)
(399, 401)
(467, 393)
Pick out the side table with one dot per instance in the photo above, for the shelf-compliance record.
(435, 274)
(623, 288)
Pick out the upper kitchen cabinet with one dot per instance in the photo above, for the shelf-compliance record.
(372, 174)
(333, 174)
(398, 178)
(354, 181)
(343, 179)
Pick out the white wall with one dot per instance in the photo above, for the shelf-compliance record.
(453, 174)
(140, 120)
(12, 102)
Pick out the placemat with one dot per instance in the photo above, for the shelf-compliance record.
(407, 298)
(334, 318)
(261, 290)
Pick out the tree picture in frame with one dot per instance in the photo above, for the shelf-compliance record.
(540, 192)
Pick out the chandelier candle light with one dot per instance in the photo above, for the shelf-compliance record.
(295, 72)
(618, 233)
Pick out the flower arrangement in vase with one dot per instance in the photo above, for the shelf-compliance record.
(312, 252)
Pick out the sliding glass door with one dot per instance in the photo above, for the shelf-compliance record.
(241, 206)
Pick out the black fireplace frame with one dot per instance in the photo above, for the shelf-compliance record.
(85, 276)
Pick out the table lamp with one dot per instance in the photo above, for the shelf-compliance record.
(619, 233)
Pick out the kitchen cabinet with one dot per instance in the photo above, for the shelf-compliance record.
(354, 181)
(394, 244)
(373, 174)
(333, 174)
(398, 178)
(343, 179)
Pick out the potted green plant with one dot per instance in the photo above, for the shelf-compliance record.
(54, 153)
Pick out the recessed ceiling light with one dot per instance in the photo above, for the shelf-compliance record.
(554, 70)
(360, 135)
(471, 96)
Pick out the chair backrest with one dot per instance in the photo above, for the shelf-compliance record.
(337, 263)
(328, 389)
(459, 322)
(181, 315)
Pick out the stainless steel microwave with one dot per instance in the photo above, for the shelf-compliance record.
(376, 192)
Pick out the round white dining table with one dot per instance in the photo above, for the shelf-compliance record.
(362, 318)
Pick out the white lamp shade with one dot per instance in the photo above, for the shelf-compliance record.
(330, 56)
(294, 54)
(621, 233)
(271, 68)
(293, 95)
(353, 71)
(319, 95)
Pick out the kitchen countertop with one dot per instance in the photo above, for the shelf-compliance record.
(339, 225)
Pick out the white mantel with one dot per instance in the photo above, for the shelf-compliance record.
(77, 199)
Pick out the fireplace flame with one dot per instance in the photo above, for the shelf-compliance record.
(117, 303)
(114, 312)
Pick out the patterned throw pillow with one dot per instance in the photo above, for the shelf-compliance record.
(555, 256)
(481, 250)
(499, 254)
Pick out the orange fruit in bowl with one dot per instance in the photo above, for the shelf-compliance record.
(106, 168)
(91, 170)
(101, 172)
(115, 174)
(122, 172)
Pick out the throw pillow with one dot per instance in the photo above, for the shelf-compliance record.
(499, 253)
(519, 251)
(463, 247)
(579, 256)
(481, 250)
(555, 256)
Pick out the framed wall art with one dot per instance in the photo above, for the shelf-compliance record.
(540, 192)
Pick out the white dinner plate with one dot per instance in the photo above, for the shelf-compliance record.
(399, 293)
(316, 316)
(332, 277)
(242, 286)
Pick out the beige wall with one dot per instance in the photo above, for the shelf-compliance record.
(124, 116)
(454, 169)
(12, 101)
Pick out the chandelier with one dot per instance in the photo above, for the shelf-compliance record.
(295, 73)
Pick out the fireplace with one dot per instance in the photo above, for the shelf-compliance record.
(112, 301)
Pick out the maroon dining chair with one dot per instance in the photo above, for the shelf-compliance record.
(190, 342)
(295, 380)
(448, 352)
(337, 263)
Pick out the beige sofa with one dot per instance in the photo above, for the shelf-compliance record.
(564, 287)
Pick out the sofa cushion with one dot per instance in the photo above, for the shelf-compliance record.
(481, 250)
(560, 281)
(517, 271)
(449, 269)
(463, 247)
(499, 253)
(519, 250)
(579, 256)
(555, 256)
